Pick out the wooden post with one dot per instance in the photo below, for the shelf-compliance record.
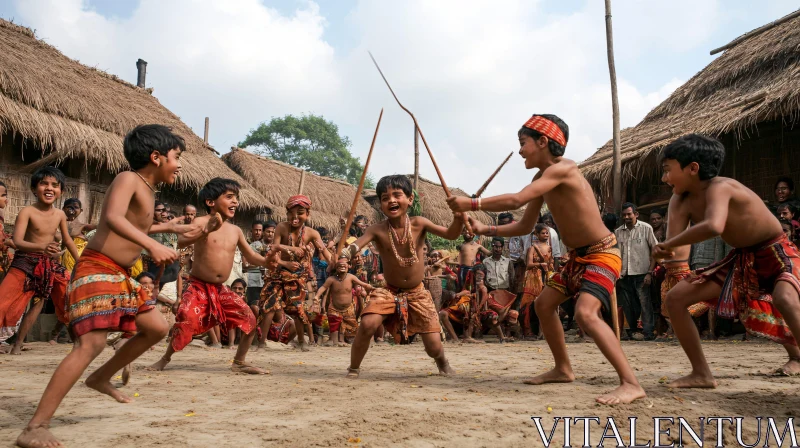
(617, 166)
(416, 155)
(205, 133)
(302, 181)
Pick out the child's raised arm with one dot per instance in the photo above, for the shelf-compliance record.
(67, 238)
(449, 233)
(362, 241)
(358, 282)
(316, 240)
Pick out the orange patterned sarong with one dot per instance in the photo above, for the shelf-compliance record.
(676, 273)
(409, 311)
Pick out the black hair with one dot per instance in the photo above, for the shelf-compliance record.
(189, 205)
(3, 184)
(555, 149)
(629, 205)
(215, 188)
(659, 211)
(705, 151)
(499, 239)
(239, 280)
(428, 245)
(322, 231)
(157, 203)
(270, 223)
(140, 143)
(395, 181)
(539, 227)
(504, 216)
(787, 180)
(359, 218)
(146, 274)
(610, 220)
(48, 171)
(258, 221)
(73, 201)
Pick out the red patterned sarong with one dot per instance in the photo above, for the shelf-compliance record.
(342, 320)
(280, 331)
(103, 296)
(675, 274)
(592, 269)
(748, 277)
(204, 305)
(409, 311)
(501, 301)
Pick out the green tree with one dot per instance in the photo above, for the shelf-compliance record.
(309, 142)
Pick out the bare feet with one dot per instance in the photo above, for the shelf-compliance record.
(353, 373)
(791, 368)
(215, 345)
(18, 349)
(126, 374)
(624, 394)
(694, 380)
(232, 347)
(243, 367)
(552, 376)
(37, 437)
(105, 387)
(473, 341)
(444, 367)
(159, 365)
(303, 347)
(52, 342)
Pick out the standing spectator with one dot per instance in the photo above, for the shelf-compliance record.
(784, 194)
(255, 274)
(659, 224)
(555, 242)
(636, 240)
(499, 269)
(515, 250)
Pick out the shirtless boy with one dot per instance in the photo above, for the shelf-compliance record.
(467, 254)
(341, 310)
(102, 295)
(761, 273)
(207, 301)
(593, 267)
(404, 306)
(35, 273)
(286, 287)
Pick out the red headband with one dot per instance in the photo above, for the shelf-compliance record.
(301, 200)
(547, 128)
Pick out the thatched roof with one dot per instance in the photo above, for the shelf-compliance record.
(277, 181)
(756, 80)
(70, 110)
(434, 205)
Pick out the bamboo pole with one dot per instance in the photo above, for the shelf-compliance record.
(416, 156)
(302, 182)
(205, 132)
(617, 167)
(491, 178)
(360, 188)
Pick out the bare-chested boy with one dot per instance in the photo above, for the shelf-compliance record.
(102, 296)
(207, 301)
(592, 269)
(341, 309)
(286, 287)
(404, 306)
(757, 281)
(467, 254)
(35, 272)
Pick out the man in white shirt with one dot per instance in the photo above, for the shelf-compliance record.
(499, 269)
(636, 240)
(516, 250)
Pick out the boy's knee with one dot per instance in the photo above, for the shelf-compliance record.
(784, 299)
(370, 326)
(541, 307)
(586, 316)
(158, 330)
(442, 314)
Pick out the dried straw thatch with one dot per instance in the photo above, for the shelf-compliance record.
(277, 181)
(754, 81)
(69, 110)
(434, 204)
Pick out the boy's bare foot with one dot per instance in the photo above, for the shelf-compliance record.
(52, 342)
(105, 387)
(694, 380)
(303, 347)
(473, 341)
(343, 344)
(232, 347)
(624, 394)
(37, 437)
(444, 367)
(215, 345)
(243, 367)
(353, 373)
(159, 365)
(791, 368)
(551, 376)
(126, 374)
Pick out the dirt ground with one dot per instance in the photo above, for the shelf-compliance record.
(398, 401)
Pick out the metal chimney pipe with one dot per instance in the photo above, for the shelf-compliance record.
(141, 68)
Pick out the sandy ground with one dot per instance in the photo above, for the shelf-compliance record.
(398, 401)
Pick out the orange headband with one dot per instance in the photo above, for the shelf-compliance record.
(547, 128)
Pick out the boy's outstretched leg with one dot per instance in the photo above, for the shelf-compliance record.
(787, 301)
(587, 313)
(239, 363)
(25, 326)
(369, 324)
(434, 349)
(86, 349)
(444, 319)
(547, 309)
(678, 300)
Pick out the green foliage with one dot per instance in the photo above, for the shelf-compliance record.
(416, 206)
(439, 243)
(309, 142)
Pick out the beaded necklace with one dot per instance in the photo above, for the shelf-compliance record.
(403, 261)
(299, 239)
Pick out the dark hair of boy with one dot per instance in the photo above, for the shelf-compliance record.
(555, 149)
(787, 180)
(145, 274)
(629, 205)
(215, 188)
(269, 224)
(258, 222)
(397, 181)
(3, 184)
(705, 151)
(140, 143)
(238, 280)
(48, 171)
(610, 220)
(71, 201)
(322, 231)
(539, 227)
(504, 216)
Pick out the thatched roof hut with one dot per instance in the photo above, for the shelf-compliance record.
(434, 204)
(277, 181)
(54, 110)
(749, 98)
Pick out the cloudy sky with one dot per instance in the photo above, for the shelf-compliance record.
(471, 71)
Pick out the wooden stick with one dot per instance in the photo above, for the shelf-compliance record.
(616, 168)
(360, 188)
(615, 312)
(302, 182)
(491, 178)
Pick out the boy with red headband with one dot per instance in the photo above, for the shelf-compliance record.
(286, 287)
(593, 267)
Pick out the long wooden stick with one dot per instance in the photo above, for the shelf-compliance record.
(491, 178)
(360, 188)
(615, 313)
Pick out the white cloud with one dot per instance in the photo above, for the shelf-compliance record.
(471, 71)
